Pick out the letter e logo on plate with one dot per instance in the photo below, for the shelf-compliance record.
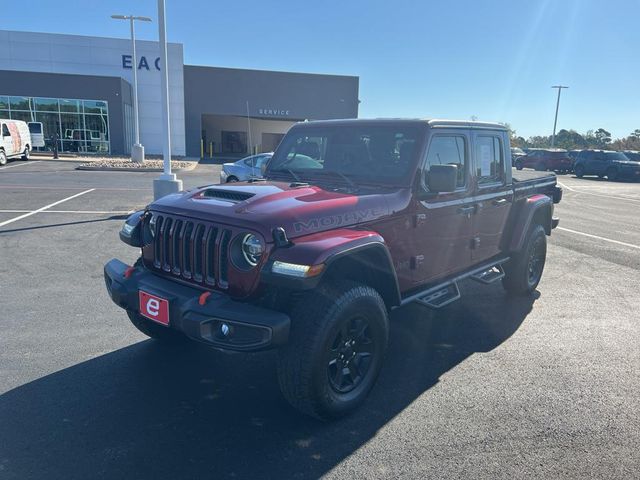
(154, 308)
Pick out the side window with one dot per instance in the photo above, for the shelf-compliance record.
(5, 130)
(448, 150)
(489, 159)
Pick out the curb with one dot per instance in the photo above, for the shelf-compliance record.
(136, 170)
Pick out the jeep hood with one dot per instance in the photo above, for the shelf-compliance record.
(263, 206)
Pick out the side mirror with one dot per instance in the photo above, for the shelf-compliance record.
(442, 178)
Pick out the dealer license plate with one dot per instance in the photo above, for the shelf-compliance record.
(154, 308)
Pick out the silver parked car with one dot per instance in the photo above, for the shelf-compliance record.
(244, 169)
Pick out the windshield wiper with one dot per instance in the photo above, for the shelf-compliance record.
(290, 172)
(339, 174)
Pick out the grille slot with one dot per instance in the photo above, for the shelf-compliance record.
(191, 250)
(224, 259)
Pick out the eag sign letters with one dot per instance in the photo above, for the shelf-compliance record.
(142, 62)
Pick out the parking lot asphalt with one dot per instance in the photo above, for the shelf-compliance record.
(488, 387)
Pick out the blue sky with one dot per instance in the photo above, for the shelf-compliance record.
(450, 59)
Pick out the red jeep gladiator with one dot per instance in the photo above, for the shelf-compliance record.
(354, 218)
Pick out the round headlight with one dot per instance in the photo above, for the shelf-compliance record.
(252, 249)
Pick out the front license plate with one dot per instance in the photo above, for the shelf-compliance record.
(154, 308)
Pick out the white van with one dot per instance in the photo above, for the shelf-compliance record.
(15, 140)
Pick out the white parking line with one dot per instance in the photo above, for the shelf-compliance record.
(33, 212)
(20, 164)
(599, 238)
(572, 189)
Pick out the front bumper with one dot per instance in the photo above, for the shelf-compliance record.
(251, 328)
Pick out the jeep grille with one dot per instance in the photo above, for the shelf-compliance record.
(192, 250)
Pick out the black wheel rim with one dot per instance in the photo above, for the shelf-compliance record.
(350, 355)
(536, 261)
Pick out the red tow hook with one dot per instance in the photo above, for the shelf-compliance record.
(128, 272)
(203, 298)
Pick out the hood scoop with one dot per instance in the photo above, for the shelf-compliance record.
(224, 194)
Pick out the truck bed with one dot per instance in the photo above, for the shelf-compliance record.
(526, 182)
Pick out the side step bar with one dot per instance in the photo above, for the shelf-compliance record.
(447, 292)
(438, 299)
(490, 275)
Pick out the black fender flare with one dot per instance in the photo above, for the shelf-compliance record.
(368, 251)
(537, 208)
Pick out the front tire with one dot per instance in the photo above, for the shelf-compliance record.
(232, 179)
(579, 171)
(524, 271)
(337, 343)
(518, 165)
(3, 158)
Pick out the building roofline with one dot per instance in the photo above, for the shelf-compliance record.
(240, 69)
(128, 39)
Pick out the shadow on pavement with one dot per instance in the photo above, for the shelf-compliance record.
(66, 224)
(153, 411)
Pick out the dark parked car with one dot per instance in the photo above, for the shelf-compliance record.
(516, 153)
(353, 219)
(603, 163)
(554, 160)
(574, 155)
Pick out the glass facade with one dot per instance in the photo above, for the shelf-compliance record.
(82, 125)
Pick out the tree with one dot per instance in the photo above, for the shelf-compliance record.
(603, 138)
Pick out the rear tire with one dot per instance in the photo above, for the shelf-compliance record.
(337, 343)
(579, 171)
(524, 271)
(3, 158)
(25, 154)
(612, 174)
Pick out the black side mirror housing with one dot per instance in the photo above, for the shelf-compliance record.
(442, 178)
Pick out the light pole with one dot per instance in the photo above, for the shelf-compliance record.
(167, 182)
(137, 150)
(555, 122)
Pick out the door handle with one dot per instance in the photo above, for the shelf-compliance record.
(501, 201)
(466, 210)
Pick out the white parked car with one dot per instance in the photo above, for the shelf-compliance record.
(244, 169)
(15, 140)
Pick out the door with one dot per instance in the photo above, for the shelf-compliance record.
(493, 195)
(8, 140)
(597, 163)
(442, 222)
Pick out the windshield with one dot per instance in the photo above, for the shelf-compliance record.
(367, 154)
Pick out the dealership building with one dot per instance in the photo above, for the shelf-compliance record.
(80, 88)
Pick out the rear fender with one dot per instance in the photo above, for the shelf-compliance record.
(534, 209)
(356, 254)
